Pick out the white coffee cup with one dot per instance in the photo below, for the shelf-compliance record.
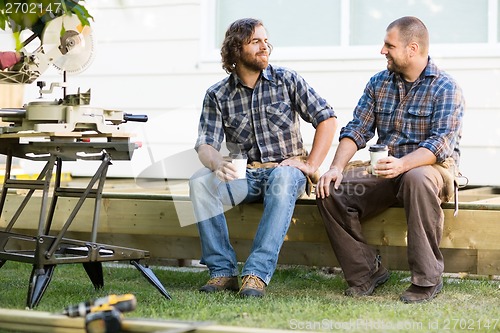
(377, 152)
(240, 162)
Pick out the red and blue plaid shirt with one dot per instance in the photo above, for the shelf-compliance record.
(429, 115)
(264, 121)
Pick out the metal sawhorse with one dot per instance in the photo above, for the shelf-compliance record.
(44, 250)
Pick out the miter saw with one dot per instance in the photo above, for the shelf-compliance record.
(67, 128)
(69, 46)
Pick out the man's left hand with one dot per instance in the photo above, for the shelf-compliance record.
(300, 164)
(389, 167)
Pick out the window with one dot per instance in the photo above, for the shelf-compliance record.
(332, 29)
(498, 21)
(290, 23)
(448, 21)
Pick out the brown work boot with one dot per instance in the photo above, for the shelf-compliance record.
(252, 286)
(366, 289)
(221, 283)
(417, 294)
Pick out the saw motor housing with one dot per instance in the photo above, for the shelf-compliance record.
(69, 46)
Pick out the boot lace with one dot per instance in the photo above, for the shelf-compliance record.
(252, 282)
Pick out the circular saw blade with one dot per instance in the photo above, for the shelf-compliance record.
(70, 42)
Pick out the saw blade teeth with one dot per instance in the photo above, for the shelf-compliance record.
(75, 47)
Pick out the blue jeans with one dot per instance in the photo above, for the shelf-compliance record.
(279, 188)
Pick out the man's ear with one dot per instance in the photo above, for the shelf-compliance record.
(414, 48)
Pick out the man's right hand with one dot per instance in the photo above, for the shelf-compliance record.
(226, 171)
(323, 185)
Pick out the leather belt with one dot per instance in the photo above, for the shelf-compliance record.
(259, 165)
(311, 180)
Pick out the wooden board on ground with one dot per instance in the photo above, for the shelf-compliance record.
(43, 322)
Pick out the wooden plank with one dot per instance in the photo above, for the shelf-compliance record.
(150, 222)
(489, 200)
(478, 194)
(455, 260)
(461, 261)
(39, 321)
(296, 253)
(471, 229)
(488, 262)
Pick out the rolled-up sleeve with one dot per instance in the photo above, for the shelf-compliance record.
(210, 129)
(446, 122)
(362, 127)
(311, 106)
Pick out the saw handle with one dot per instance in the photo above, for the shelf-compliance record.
(135, 117)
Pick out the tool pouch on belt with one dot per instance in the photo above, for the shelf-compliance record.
(448, 171)
(451, 175)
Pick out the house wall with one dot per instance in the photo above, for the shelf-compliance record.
(151, 58)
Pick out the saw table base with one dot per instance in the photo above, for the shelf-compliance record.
(46, 250)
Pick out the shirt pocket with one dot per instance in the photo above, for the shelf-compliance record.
(421, 111)
(419, 121)
(280, 117)
(237, 127)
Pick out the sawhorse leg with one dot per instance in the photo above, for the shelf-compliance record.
(52, 250)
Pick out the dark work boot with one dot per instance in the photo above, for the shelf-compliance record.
(417, 294)
(366, 289)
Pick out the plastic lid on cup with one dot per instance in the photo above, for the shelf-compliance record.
(240, 155)
(378, 147)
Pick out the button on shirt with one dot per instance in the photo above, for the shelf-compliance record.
(429, 115)
(264, 121)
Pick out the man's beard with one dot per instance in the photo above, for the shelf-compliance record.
(253, 62)
(397, 67)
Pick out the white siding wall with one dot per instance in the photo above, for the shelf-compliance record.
(150, 60)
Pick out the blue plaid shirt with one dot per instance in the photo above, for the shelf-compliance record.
(264, 121)
(429, 115)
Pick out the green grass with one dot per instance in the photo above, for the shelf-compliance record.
(298, 297)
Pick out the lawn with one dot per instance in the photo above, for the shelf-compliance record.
(298, 298)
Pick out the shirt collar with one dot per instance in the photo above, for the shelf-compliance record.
(431, 68)
(266, 74)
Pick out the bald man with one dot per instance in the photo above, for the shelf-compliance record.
(416, 110)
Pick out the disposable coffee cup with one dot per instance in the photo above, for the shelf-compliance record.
(240, 162)
(377, 152)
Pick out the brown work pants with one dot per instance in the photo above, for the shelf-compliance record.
(361, 195)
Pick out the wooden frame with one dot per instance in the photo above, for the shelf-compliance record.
(149, 220)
